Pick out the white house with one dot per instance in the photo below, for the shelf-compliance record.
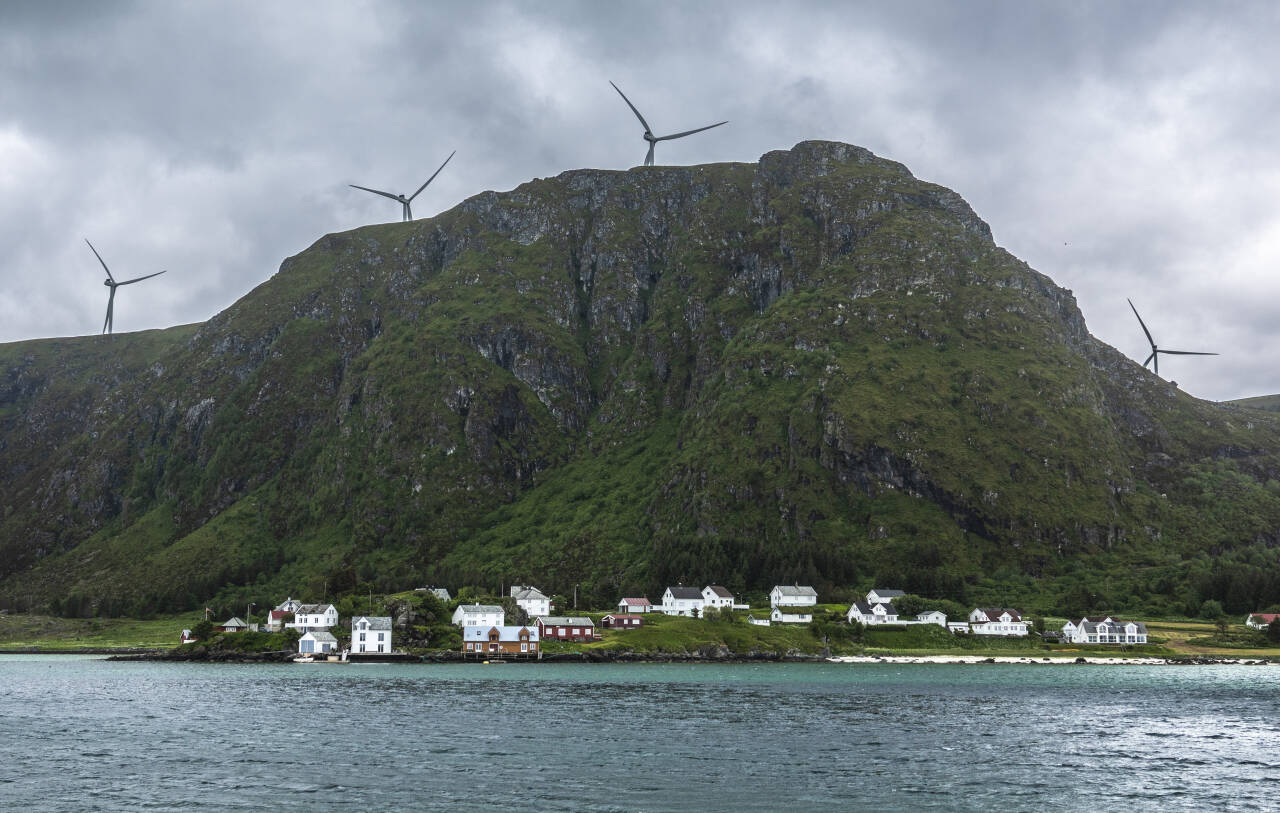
(471, 615)
(932, 617)
(1104, 630)
(289, 605)
(714, 595)
(635, 605)
(788, 595)
(310, 617)
(869, 613)
(759, 622)
(880, 595)
(791, 615)
(997, 621)
(531, 600)
(1261, 621)
(187, 637)
(317, 642)
(371, 633)
(681, 600)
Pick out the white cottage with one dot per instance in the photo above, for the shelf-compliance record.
(881, 595)
(791, 615)
(472, 615)
(681, 600)
(310, 617)
(1000, 621)
(792, 595)
(531, 600)
(869, 613)
(932, 617)
(371, 633)
(714, 595)
(317, 642)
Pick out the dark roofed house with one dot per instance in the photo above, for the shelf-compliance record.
(622, 621)
(882, 595)
(681, 600)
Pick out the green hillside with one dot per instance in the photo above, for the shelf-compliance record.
(814, 368)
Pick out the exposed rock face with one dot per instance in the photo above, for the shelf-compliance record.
(812, 368)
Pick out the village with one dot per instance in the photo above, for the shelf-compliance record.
(486, 633)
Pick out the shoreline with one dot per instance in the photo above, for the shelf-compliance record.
(1085, 660)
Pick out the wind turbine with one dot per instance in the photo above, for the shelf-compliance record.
(1156, 351)
(111, 283)
(648, 132)
(408, 211)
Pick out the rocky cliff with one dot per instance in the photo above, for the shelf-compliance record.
(814, 368)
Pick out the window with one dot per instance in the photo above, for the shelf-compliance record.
(362, 636)
(524, 647)
(382, 636)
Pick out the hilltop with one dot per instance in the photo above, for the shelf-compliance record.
(812, 368)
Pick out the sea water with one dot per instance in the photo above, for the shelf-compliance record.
(90, 734)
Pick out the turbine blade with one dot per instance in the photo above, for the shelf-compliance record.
(99, 256)
(1149, 358)
(1187, 353)
(1150, 340)
(139, 279)
(376, 192)
(647, 128)
(433, 176)
(690, 132)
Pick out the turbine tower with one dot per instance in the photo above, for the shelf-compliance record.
(648, 132)
(111, 283)
(408, 211)
(1156, 351)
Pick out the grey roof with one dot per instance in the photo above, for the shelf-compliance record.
(994, 613)
(794, 609)
(376, 622)
(566, 621)
(796, 590)
(526, 592)
(722, 592)
(886, 593)
(479, 608)
(322, 635)
(312, 609)
(438, 592)
(685, 592)
(233, 621)
(863, 607)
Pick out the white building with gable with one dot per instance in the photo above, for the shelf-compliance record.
(997, 621)
(471, 615)
(792, 595)
(309, 617)
(371, 633)
(531, 600)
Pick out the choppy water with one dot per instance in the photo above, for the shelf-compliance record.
(79, 734)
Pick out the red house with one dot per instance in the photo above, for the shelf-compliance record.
(621, 621)
(566, 628)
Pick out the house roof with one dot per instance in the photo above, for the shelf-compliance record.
(795, 590)
(314, 609)
(233, 621)
(1266, 618)
(864, 608)
(288, 605)
(565, 621)
(1113, 626)
(636, 602)
(376, 622)
(684, 592)
(476, 609)
(931, 612)
(507, 634)
(322, 636)
(886, 593)
(526, 592)
(622, 616)
(722, 592)
(790, 609)
(279, 613)
(994, 613)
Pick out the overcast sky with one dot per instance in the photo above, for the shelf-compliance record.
(1123, 149)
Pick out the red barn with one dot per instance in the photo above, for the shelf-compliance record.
(566, 628)
(622, 621)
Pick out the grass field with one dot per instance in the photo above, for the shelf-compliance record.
(70, 634)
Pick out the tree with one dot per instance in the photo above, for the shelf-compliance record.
(203, 631)
(1221, 626)
(1211, 609)
(1273, 630)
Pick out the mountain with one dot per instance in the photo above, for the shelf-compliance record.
(1270, 403)
(814, 368)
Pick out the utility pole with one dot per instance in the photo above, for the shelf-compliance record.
(247, 609)
(575, 597)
